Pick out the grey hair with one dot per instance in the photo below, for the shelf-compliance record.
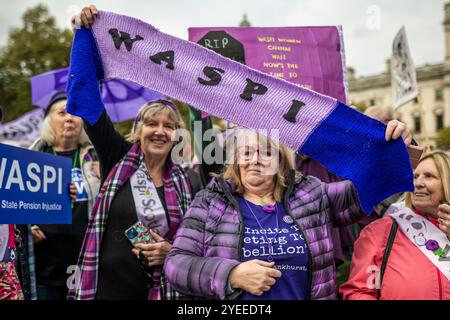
(48, 134)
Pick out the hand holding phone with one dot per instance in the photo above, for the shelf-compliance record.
(139, 233)
(152, 254)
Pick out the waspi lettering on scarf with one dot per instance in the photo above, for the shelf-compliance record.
(348, 143)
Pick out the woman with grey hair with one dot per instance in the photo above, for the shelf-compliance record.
(57, 245)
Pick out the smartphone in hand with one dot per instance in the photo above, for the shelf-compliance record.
(139, 233)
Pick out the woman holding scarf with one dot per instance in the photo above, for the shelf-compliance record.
(140, 183)
(406, 254)
(262, 231)
(143, 192)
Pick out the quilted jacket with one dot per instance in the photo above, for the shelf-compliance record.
(208, 244)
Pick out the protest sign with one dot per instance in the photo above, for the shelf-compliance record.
(34, 187)
(311, 57)
(403, 71)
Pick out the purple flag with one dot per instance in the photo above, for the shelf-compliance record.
(122, 98)
(23, 130)
(45, 85)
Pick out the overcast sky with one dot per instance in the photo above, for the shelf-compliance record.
(369, 25)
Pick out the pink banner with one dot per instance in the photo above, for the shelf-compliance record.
(311, 57)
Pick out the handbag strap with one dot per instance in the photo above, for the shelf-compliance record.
(12, 239)
(12, 242)
(387, 252)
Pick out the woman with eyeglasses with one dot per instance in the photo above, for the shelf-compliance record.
(258, 232)
(262, 230)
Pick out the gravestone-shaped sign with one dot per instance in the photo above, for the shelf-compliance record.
(310, 57)
(224, 44)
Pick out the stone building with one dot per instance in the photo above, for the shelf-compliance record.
(434, 87)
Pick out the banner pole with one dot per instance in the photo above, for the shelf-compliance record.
(422, 121)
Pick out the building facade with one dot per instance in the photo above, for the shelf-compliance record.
(434, 87)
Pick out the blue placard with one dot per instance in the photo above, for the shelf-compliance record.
(34, 187)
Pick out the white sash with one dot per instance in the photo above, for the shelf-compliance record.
(149, 208)
(433, 243)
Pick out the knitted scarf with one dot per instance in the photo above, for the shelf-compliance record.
(346, 142)
(178, 198)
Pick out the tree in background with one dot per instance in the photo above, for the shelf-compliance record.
(443, 139)
(37, 46)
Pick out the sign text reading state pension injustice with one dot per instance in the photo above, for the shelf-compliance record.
(34, 187)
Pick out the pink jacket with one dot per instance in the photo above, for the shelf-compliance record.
(409, 275)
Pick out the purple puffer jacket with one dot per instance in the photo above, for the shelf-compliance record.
(208, 244)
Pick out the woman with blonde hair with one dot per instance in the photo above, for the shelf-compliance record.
(139, 208)
(262, 230)
(405, 256)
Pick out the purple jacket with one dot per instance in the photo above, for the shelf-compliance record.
(208, 244)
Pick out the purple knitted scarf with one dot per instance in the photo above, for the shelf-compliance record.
(345, 141)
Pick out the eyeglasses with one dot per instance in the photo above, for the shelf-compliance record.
(247, 152)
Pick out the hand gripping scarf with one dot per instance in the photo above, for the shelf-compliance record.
(345, 141)
(178, 198)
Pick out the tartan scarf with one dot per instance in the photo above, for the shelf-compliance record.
(177, 194)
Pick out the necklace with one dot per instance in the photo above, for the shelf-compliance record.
(267, 207)
(269, 240)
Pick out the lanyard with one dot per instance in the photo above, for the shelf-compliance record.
(74, 161)
(74, 158)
